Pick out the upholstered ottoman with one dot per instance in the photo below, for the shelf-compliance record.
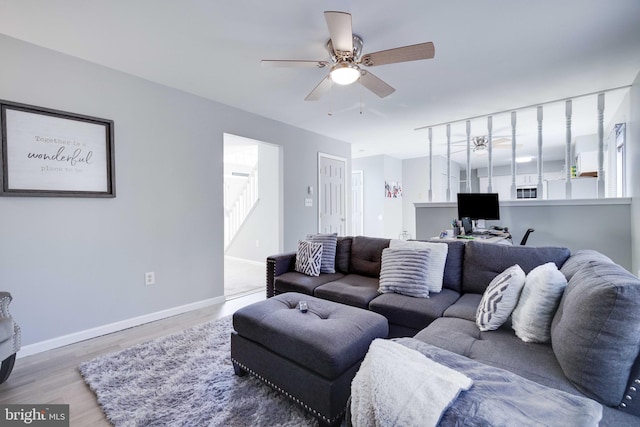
(310, 357)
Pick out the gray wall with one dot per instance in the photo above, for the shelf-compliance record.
(393, 206)
(382, 215)
(415, 180)
(373, 194)
(74, 263)
(587, 224)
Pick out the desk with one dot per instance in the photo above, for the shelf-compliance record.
(504, 239)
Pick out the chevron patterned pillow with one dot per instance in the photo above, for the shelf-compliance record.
(500, 298)
(308, 258)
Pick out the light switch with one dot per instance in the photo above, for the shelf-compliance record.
(308, 203)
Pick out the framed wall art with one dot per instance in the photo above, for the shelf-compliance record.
(392, 190)
(54, 153)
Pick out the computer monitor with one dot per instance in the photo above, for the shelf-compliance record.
(478, 206)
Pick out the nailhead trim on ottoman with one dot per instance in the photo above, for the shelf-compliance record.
(309, 357)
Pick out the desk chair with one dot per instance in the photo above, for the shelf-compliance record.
(526, 236)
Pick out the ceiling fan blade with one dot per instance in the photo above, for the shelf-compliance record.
(281, 63)
(400, 54)
(340, 31)
(322, 88)
(375, 85)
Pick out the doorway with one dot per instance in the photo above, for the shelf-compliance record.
(252, 212)
(332, 198)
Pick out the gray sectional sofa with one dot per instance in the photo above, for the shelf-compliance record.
(595, 332)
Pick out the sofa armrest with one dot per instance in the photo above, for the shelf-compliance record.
(5, 300)
(631, 399)
(277, 265)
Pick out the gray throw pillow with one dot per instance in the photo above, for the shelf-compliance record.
(404, 271)
(595, 333)
(500, 298)
(543, 288)
(329, 243)
(308, 258)
(437, 259)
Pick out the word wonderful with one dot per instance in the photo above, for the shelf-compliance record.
(73, 159)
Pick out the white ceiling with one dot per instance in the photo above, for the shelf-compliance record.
(492, 55)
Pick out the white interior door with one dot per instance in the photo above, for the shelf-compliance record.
(332, 195)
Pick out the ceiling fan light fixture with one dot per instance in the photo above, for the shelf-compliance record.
(345, 73)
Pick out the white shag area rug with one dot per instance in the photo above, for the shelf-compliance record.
(186, 379)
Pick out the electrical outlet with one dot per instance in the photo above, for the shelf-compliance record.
(150, 278)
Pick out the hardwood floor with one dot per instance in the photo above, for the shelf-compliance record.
(242, 277)
(52, 376)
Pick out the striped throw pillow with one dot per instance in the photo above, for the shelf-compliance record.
(404, 271)
(500, 298)
(308, 258)
(329, 244)
(437, 260)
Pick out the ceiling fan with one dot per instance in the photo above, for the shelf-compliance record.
(345, 49)
(480, 144)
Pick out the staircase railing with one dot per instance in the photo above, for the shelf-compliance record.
(241, 208)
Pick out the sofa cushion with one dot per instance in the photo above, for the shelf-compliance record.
(453, 267)
(351, 289)
(465, 307)
(343, 253)
(414, 313)
(329, 243)
(298, 282)
(500, 298)
(538, 303)
(500, 348)
(436, 261)
(405, 271)
(595, 333)
(502, 398)
(366, 255)
(484, 261)
(579, 259)
(309, 258)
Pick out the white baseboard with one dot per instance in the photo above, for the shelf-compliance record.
(75, 337)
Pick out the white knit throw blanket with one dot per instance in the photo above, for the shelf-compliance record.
(398, 386)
